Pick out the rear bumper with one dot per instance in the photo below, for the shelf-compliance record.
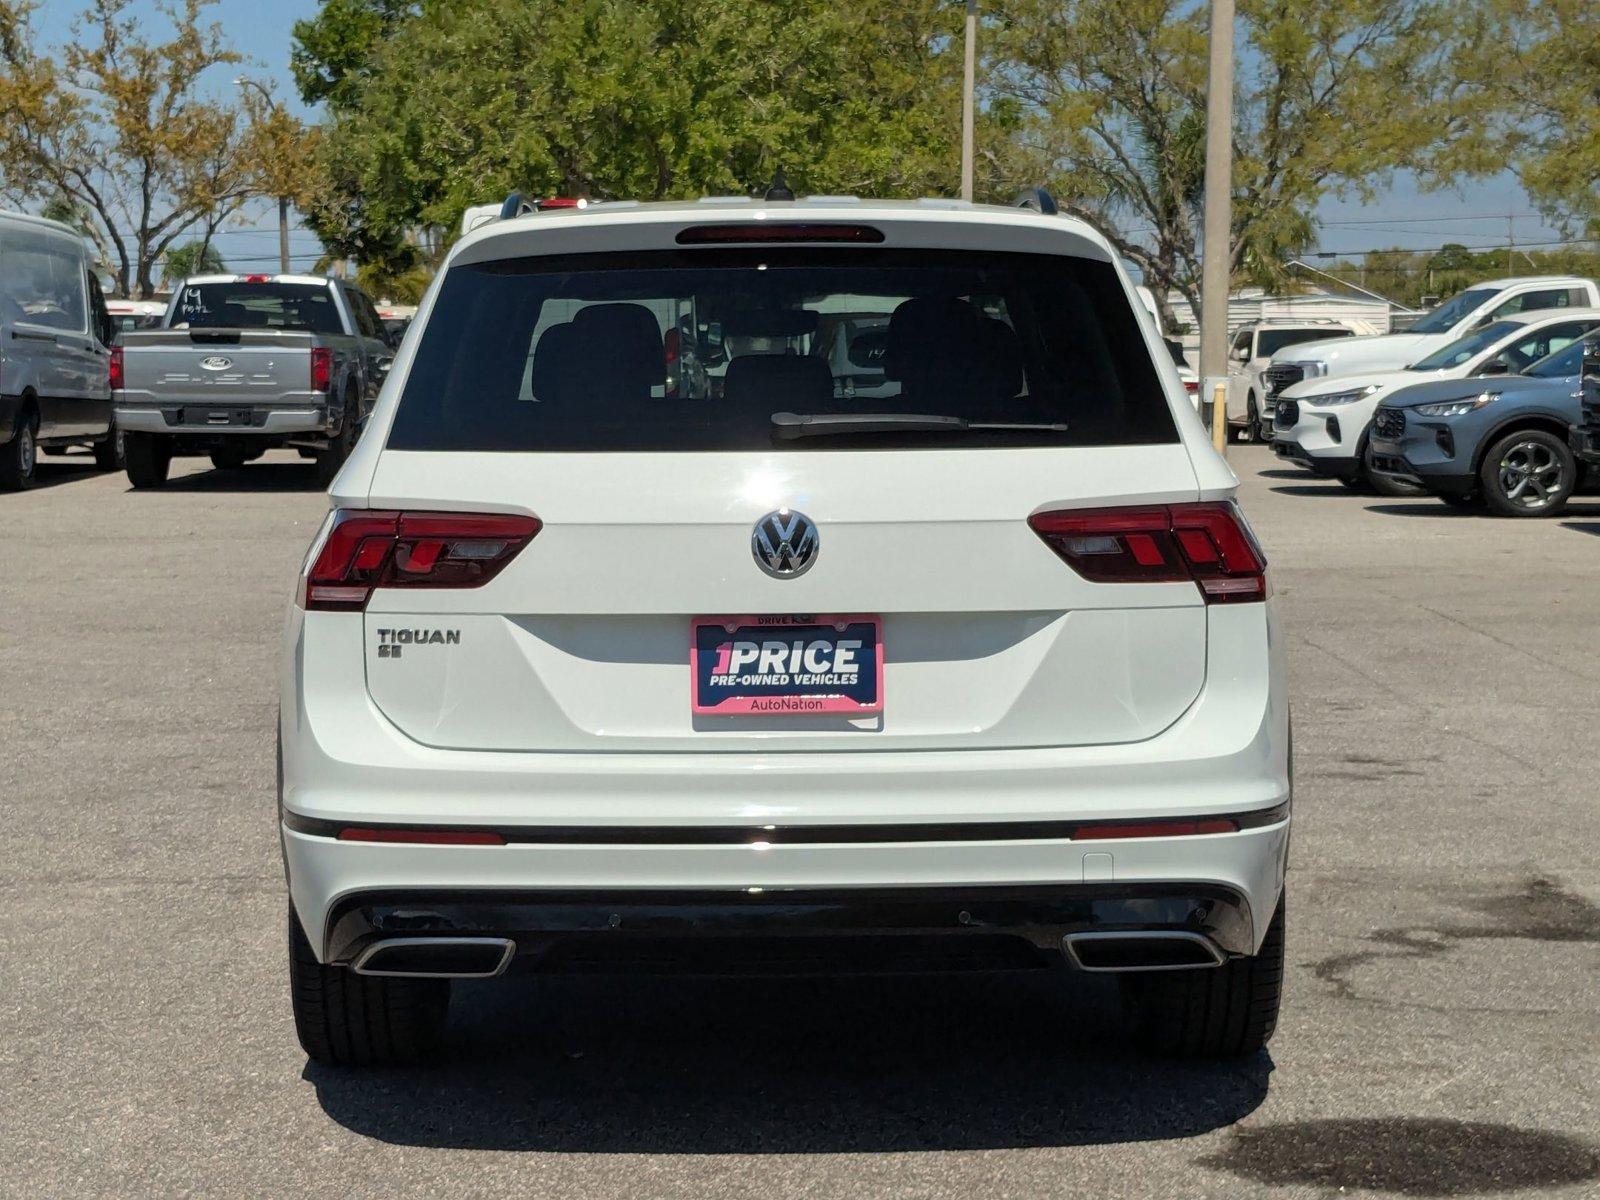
(864, 929)
(309, 414)
(1224, 886)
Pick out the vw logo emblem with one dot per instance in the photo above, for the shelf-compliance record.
(784, 543)
(216, 363)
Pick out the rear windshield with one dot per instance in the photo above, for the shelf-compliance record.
(301, 307)
(1270, 341)
(697, 350)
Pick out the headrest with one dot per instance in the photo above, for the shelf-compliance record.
(1002, 358)
(627, 333)
(556, 364)
(796, 382)
(933, 336)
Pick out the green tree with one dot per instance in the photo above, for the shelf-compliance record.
(118, 126)
(466, 100)
(191, 258)
(1539, 60)
(1108, 101)
(334, 50)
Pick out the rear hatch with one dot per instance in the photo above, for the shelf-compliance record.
(539, 388)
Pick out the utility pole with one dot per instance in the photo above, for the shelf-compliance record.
(283, 201)
(1214, 271)
(1511, 242)
(968, 80)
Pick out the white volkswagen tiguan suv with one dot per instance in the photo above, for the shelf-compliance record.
(585, 674)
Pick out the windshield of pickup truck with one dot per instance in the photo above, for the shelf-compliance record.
(713, 350)
(298, 307)
(1444, 318)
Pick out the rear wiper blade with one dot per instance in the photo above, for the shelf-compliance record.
(788, 426)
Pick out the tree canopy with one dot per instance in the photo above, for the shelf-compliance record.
(116, 128)
(1107, 103)
(456, 102)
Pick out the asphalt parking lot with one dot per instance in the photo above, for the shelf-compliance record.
(1441, 1034)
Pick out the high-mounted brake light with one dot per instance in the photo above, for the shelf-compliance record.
(258, 278)
(777, 231)
(366, 549)
(116, 367)
(560, 202)
(1208, 543)
(321, 368)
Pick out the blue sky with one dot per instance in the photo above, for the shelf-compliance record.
(1400, 217)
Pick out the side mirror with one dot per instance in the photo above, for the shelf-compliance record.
(1242, 354)
(1495, 366)
(381, 366)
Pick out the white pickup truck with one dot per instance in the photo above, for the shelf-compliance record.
(243, 364)
(1475, 308)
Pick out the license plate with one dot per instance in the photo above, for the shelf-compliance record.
(784, 665)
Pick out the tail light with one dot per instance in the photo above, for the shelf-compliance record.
(364, 550)
(1207, 543)
(321, 368)
(116, 368)
(1192, 386)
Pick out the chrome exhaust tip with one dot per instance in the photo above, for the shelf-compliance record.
(436, 957)
(1142, 950)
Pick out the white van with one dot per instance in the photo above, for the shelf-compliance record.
(56, 360)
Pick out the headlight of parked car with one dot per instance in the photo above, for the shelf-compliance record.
(1337, 398)
(1457, 408)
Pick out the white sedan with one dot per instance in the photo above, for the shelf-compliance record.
(1322, 424)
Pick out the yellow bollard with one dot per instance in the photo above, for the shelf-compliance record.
(1219, 418)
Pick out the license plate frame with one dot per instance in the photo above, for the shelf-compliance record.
(719, 693)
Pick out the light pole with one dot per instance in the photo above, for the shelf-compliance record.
(283, 201)
(969, 73)
(1214, 270)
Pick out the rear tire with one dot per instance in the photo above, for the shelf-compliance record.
(1528, 473)
(148, 459)
(1221, 1012)
(349, 1020)
(19, 458)
(331, 457)
(110, 454)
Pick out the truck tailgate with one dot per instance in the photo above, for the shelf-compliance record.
(217, 366)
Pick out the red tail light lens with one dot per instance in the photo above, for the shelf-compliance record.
(364, 550)
(321, 368)
(424, 837)
(1144, 829)
(258, 278)
(116, 367)
(1208, 543)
